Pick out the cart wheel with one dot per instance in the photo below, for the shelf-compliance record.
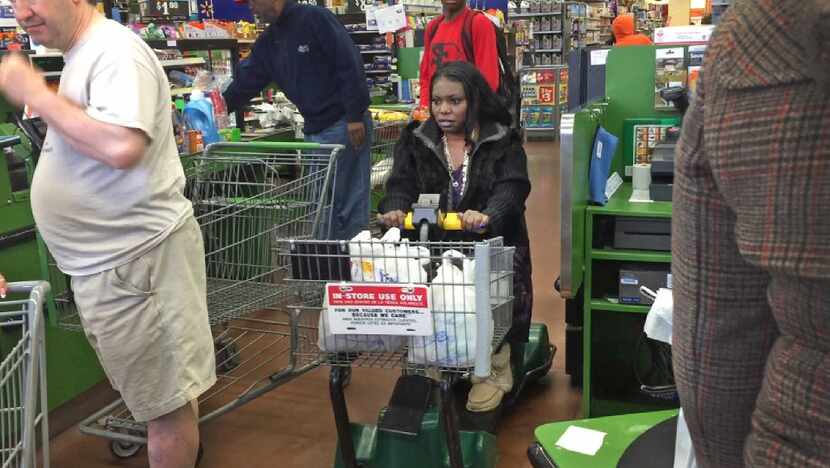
(123, 449)
(227, 356)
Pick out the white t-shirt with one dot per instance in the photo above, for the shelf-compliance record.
(91, 216)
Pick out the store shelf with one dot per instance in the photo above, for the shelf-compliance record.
(534, 15)
(618, 205)
(8, 23)
(548, 32)
(540, 68)
(539, 129)
(609, 306)
(183, 62)
(542, 51)
(246, 41)
(378, 72)
(414, 9)
(365, 32)
(649, 256)
(376, 52)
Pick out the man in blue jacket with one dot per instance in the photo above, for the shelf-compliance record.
(309, 55)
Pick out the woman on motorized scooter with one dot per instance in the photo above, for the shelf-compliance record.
(467, 153)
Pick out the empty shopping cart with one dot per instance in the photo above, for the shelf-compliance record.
(247, 197)
(23, 406)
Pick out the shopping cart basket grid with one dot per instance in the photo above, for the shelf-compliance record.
(23, 403)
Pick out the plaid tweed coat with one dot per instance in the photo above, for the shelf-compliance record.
(751, 241)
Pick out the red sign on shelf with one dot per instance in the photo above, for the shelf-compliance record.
(546, 94)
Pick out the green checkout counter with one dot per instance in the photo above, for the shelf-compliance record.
(605, 249)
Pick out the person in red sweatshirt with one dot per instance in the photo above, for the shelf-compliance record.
(443, 43)
(623, 27)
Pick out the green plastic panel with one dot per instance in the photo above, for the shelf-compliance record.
(379, 449)
(605, 304)
(621, 430)
(409, 62)
(618, 205)
(586, 123)
(72, 366)
(629, 88)
(631, 255)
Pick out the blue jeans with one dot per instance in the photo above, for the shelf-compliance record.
(350, 201)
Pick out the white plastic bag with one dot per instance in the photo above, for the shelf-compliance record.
(684, 453)
(453, 313)
(659, 322)
(382, 260)
(659, 319)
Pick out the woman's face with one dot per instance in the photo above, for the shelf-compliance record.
(449, 105)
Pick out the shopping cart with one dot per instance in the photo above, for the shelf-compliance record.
(384, 138)
(23, 406)
(364, 288)
(246, 198)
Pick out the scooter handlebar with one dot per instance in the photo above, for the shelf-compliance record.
(446, 221)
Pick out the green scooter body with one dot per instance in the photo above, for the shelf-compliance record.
(379, 449)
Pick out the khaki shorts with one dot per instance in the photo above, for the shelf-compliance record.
(148, 322)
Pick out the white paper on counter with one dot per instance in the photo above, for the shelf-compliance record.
(580, 440)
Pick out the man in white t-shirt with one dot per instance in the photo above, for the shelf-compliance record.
(107, 197)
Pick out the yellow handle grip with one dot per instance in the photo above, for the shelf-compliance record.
(451, 222)
(407, 222)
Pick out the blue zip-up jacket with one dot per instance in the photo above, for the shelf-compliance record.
(312, 59)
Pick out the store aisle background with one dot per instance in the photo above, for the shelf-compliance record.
(293, 426)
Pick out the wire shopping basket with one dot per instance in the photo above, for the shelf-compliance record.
(23, 404)
(466, 314)
(384, 138)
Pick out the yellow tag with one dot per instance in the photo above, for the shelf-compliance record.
(368, 267)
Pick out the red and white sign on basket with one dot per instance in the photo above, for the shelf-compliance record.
(379, 309)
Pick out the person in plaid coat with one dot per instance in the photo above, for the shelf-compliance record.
(751, 241)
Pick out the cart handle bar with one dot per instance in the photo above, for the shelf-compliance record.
(271, 145)
(29, 287)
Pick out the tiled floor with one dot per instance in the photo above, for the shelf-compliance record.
(293, 427)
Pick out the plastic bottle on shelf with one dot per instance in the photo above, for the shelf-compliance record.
(209, 86)
(199, 121)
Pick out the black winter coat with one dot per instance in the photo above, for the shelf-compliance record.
(497, 181)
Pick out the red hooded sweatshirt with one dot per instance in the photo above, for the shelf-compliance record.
(623, 27)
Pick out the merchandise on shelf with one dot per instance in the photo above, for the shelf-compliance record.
(538, 98)
(13, 39)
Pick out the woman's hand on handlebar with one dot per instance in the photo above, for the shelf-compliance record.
(474, 221)
(392, 219)
(3, 286)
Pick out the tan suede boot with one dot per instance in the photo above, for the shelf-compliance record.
(487, 393)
